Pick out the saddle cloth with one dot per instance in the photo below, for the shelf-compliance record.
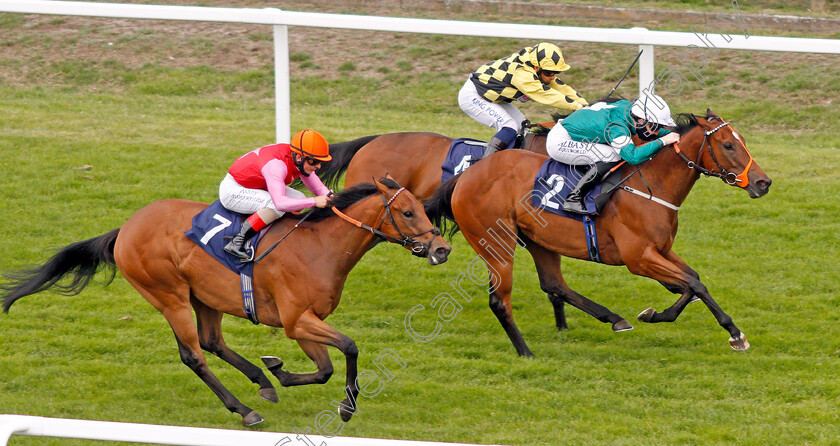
(461, 151)
(555, 180)
(212, 228)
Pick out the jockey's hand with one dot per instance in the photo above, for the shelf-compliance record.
(670, 138)
(322, 201)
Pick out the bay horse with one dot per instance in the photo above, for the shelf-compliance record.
(296, 287)
(412, 158)
(632, 230)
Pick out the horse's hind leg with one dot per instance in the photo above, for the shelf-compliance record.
(211, 339)
(175, 308)
(552, 282)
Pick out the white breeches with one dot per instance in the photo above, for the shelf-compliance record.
(560, 146)
(238, 198)
(486, 112)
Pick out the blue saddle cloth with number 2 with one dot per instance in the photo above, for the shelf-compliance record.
(553, 183)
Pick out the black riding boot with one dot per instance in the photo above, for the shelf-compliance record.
(574, 201)
(493, 146)
(236, 246)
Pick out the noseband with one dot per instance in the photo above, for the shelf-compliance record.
(730, 178)
(406, 240)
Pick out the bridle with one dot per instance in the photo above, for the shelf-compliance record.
(730, 178)
(417, 246)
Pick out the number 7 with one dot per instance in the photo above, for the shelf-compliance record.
(223, 223)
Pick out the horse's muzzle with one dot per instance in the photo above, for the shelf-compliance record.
(759, 188)
(438, 250)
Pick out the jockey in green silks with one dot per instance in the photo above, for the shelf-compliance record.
(601, 135)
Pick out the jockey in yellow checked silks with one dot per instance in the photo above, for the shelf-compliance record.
(531, 73)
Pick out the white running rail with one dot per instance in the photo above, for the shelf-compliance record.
(711, 36)
(176, 435)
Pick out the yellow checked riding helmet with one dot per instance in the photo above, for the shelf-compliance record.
(311, 144)
(547, 56)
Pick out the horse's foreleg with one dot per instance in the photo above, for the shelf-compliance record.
(210, 337)
(657, 267)
(501, 307)
(316, 352)
(686, 297)
(671, 313)
(316, 333)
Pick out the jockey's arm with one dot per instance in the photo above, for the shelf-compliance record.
(524, 81)
(315, 185)
(620, 140)
(562, 87)
(274, 173)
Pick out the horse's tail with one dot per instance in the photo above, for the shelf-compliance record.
(81, 260)
(342, 153)
(439, 207)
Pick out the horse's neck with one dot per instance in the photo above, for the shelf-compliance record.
(668, 174)
(349, 242)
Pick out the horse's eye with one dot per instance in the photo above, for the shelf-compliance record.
(408, 214)
(727, 146)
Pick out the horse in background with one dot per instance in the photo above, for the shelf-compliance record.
(413, 159)
(634, 230)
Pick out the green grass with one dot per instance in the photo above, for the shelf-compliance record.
(156, 131)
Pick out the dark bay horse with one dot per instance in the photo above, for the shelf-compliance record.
(412, 158)
(632, 230)
(296, 287)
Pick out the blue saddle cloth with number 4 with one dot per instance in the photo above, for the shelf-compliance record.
(461, 152)
(213, 228)
(553, 183)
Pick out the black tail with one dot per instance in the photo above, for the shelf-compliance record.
(439, 207)
(82, 260)
(342, 153)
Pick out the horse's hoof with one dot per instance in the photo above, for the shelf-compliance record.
(345, 414)
(647, 315)
(252, 419)
(622, 325)
(269, 394)
(272, 362)
(741, 344)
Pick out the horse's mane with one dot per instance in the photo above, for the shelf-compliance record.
(685, 122)
(345, 199)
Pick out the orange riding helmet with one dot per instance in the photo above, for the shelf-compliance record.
(312, 144)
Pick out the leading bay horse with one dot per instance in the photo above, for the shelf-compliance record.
(412, 158)
(632, 230)
(296, 287)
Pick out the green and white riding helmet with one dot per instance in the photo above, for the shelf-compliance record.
(652, 108)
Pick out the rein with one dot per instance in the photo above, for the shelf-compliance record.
(730, 178)
(416, 246)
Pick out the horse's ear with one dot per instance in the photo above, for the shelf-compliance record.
(382, 187)
(710, 114)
